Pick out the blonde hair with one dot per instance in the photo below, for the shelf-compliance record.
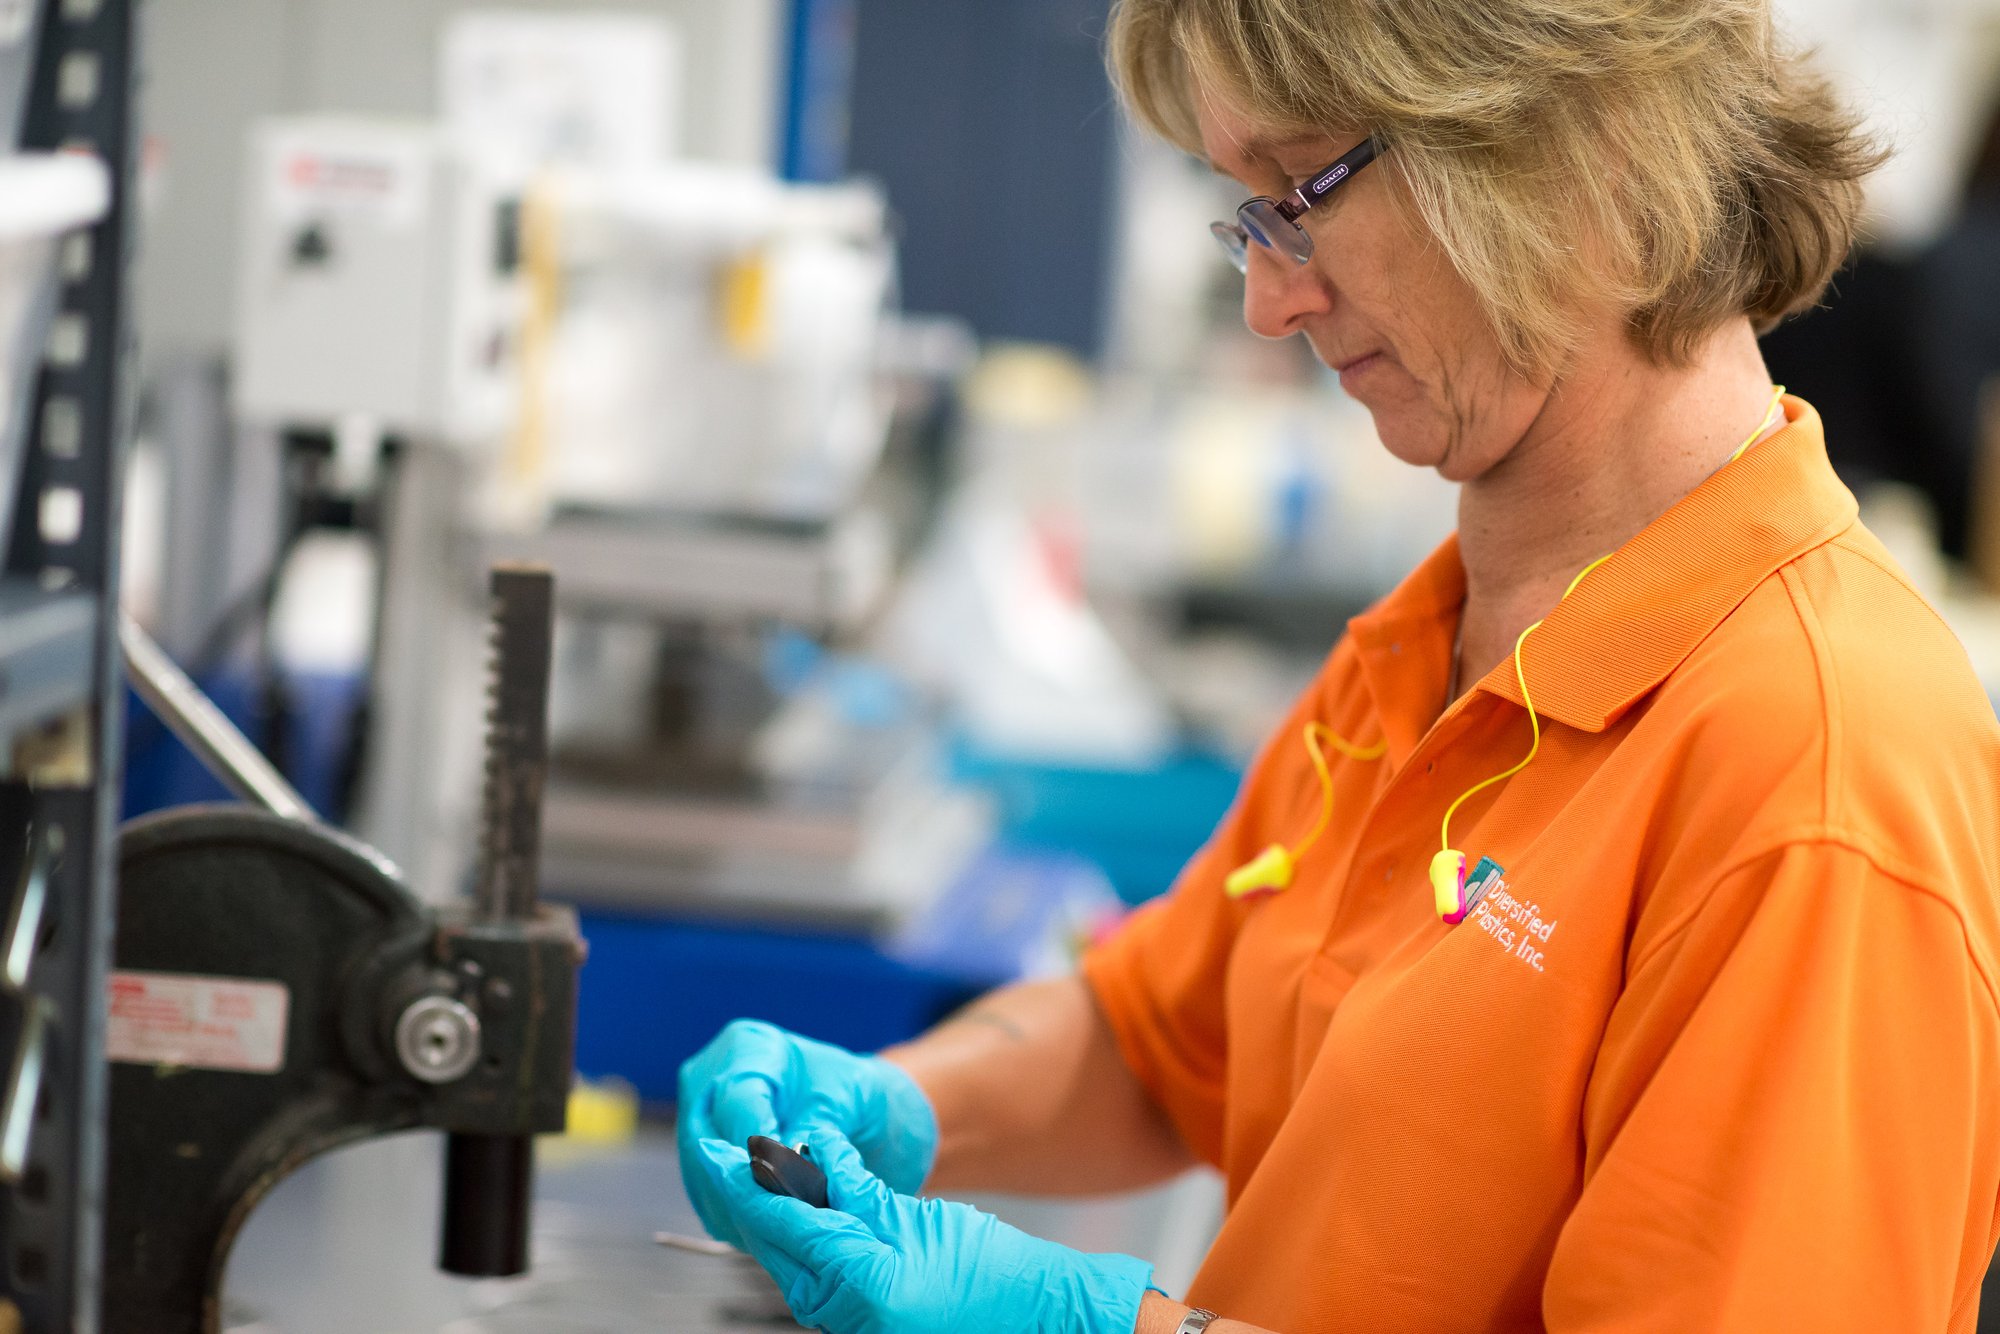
(1705, 172)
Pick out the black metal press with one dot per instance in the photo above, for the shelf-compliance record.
(278, 993)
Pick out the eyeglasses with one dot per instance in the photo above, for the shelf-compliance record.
(1273, 223)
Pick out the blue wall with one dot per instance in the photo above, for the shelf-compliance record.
(993, 127)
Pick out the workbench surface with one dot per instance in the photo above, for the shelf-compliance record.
(348, 1247)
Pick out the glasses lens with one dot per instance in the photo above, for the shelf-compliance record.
(1234, 244)
(1268, 227)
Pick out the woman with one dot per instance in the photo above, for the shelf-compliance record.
(1608, 938)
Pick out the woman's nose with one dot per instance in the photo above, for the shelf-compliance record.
(1278, 294)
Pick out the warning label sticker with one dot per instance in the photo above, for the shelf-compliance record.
(378, 179)
(203, 1023)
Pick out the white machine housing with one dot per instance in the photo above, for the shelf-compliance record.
(713, 347)
(379, 281)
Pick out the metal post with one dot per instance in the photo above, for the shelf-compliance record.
(489, 1180)
(203, 728)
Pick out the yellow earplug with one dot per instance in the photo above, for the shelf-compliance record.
(1271, 870)
(1266, 873)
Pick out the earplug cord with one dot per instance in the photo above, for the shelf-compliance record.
(1775, 410)
(1534, 722)
(1314, 731)
(1520, 673)
(1271, 869)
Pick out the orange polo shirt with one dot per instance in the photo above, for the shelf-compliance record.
(1723, 1054)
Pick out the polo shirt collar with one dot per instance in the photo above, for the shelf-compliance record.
(1638, 616)
(1403, 644)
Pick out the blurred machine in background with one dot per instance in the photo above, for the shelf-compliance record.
(666, 380)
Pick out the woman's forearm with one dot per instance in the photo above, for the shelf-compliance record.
(1032, 1097)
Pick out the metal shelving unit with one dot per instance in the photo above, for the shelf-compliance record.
(61, 695)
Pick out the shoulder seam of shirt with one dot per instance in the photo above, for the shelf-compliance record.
(1845, 840)
(1832, 735)
(1897, 576)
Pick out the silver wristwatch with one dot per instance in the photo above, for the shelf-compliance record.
(1195, 1321)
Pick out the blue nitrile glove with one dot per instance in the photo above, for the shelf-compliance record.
(757, 1079)
(882, 1263)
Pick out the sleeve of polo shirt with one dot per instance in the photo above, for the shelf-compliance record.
(1159, 984)
(1788, 1125)
(1159, 981)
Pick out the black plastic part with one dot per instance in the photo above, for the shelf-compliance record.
(489, 1186)
(784, 1171)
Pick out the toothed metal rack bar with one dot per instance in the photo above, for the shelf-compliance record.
(61, 690)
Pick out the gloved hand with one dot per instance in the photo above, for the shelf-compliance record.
(882, 1263)
(757, 1079)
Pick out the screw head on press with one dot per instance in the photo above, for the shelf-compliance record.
(437, 1039)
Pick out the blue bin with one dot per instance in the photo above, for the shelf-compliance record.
(1140, 826)
(655, 990)
(160, 772)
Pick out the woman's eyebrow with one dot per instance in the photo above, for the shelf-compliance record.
(1254, 153)
(1270, 150)
(1276, 154)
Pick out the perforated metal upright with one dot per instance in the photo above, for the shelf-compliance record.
(61, 702)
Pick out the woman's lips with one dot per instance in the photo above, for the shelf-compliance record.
(1358, 366)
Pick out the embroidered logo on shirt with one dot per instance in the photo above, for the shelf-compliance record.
(1516, 924)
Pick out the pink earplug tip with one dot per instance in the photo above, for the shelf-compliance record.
(1448, 885)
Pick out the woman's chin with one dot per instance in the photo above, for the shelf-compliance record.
(1417, 443)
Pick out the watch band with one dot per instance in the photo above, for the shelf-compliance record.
(1195, 1321)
